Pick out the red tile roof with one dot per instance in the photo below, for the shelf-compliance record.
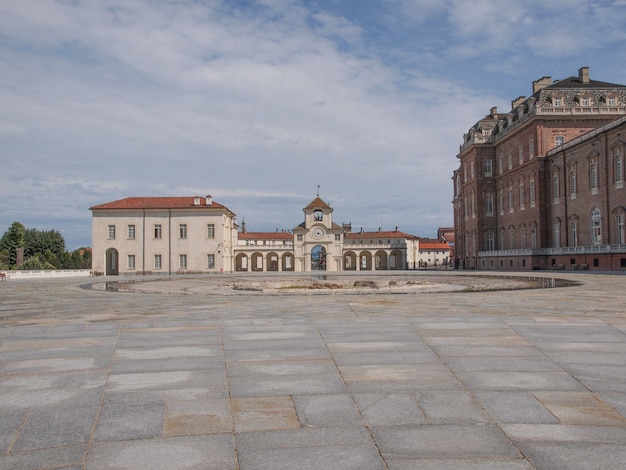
(265, 236)
(434, 246)
(159, 203)
(388, 234)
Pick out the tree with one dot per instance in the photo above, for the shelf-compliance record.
(13, 238)
(37, 242)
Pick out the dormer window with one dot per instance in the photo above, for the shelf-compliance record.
(558, 102)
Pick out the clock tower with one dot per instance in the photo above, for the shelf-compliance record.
(318, 242)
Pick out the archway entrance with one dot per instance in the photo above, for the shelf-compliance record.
(112, 262)
(318, 258)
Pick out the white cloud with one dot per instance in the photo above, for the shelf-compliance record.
(259, 103)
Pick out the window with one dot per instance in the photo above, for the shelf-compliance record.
(157, 262)
(489, 204)
(465, 208)
(182, 231)
(619, 169)
(318, 215)
(532, 192)
(473, 205)
(520, 152)
(584, 102)
(572, 183)
(131, 232)
(299, 237)
(619, 227)
(596, 227)
(490, 241)
(510, 160)
(574, 229)
(458, 185)
(611, 102)
(111, 232)
(337, 237)
(533, 238)
(211, 261)
(522, 195)
(593, 177)
(511, 198)
(472, 170)
(556, 229)
(555, 187)
(157, 231)
(501, 202)
(522, 237)
(559, 140)
(512, 238)
(531, 148)
(558, 101)
(210, 231)
(500, 165)
(131, 261)
(182, 261)
(487, 168)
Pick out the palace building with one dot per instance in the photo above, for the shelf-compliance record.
(177, 235)
(542, 186)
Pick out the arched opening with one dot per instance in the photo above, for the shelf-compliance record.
(257, 262)
(380, 260)
(349, 261)
(395, 260)
(112, 262)
(365, 261)
(287, 261)
(241, 262)
(272, 262)
(318, 258)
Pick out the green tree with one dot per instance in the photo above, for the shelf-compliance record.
(52, 258)
(13, 239)
(37, 242)
(65, 260)
(33, 263)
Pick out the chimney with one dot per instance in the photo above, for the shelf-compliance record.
(516, 102)
(541, 84)
(493, 111)
(583, 75)
(209, 200)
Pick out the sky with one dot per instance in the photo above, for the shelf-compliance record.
(262, 104)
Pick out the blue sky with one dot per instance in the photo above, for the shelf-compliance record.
(259, 102)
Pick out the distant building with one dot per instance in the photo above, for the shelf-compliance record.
(434, 254)
(542, 186)
(178, 235)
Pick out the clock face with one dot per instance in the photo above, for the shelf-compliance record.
(318, 233)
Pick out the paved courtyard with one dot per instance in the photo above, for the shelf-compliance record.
(186, 376)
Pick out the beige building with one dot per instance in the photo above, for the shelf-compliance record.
(178, 235)
(144, 235)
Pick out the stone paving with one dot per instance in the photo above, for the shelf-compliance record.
(525, 379)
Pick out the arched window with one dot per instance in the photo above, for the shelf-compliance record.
(556, 230)
(596, 227)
